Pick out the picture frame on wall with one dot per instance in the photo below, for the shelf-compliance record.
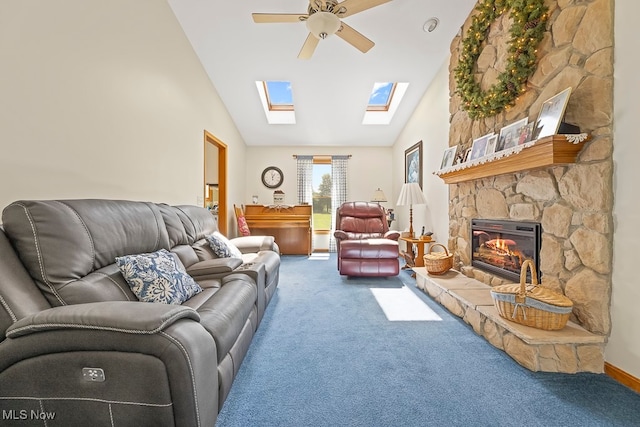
(510, 134)
(413, 164)
(479, 147)
(551, 114)
(448, 157)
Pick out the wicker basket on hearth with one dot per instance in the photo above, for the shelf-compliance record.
(438, 262)
(530, 304)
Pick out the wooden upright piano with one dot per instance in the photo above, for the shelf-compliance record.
(290, 225)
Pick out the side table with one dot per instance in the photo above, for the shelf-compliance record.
(413, 259)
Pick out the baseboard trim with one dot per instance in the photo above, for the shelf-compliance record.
(622, 376)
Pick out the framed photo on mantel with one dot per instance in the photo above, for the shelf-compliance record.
(479, 147)
(551, 114)
(448, 157)
(510, 134)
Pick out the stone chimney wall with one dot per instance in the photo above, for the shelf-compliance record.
(574, 203)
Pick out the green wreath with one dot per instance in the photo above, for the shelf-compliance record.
(529, 19)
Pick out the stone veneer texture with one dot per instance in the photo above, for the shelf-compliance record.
(573, 202)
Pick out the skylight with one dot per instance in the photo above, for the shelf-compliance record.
(279, 97)
(381, 96)
(277, 101)
(384, 100)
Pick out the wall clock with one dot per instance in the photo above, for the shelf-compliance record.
(272, 177)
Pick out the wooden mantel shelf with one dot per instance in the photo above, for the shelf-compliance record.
(549, 151)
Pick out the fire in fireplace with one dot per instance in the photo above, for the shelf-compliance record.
(501, 246)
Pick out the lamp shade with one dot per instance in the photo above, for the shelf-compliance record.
(411, 194)
(378, 196)
(323, 24)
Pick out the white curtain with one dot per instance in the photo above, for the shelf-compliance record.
(305, 184)
(305, 179)
(338, 191)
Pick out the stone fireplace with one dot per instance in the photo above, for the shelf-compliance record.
(500, 247)
(572, 203)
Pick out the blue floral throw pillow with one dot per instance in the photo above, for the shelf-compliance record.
(222, 247)
(157, 277)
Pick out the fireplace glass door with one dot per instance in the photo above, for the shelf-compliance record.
(500, 247)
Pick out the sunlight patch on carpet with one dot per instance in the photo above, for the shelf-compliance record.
(401, 304)
(319, 256)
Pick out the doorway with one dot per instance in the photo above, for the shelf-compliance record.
(321, 204)
(215, 169)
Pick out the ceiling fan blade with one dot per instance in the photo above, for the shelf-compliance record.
(354, 6)
(354, 38)
(270, 18)
(308, 47)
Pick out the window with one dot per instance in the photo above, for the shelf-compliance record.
(279, 97)
(321, 195)
(381, 96)
(384, 100)
(277, 101)
(323, 179)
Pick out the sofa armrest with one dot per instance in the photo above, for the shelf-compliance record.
(119, 316)
(257, 272)
(392, 235)
(213, 268)
(251, 244)
(127, 344)
(340, 235)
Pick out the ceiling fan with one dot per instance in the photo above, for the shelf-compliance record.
(324, 19)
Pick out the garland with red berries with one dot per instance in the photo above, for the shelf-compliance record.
(528, 27)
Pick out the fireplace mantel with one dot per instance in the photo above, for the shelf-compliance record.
(548, 151)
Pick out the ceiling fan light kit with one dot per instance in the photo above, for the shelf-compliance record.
(323, 24)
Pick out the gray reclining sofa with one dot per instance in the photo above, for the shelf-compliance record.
(77, 345)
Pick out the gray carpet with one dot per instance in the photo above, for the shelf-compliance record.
(326, 355)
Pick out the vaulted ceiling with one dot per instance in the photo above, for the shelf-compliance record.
(330, 90)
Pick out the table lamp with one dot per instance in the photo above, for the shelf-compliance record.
(378, 196)
(411, 194)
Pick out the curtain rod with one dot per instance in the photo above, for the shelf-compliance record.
(295, 156)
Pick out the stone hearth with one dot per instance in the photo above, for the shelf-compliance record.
(570, 350)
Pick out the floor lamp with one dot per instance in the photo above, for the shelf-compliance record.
(411, 194)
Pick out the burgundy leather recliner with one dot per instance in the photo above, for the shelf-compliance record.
(365, 245)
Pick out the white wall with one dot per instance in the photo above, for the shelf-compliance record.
(623, 349)
(429, 123)
(105, 99)
(369, 168)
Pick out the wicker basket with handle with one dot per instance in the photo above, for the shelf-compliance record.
(438, 262)
(532, 305)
